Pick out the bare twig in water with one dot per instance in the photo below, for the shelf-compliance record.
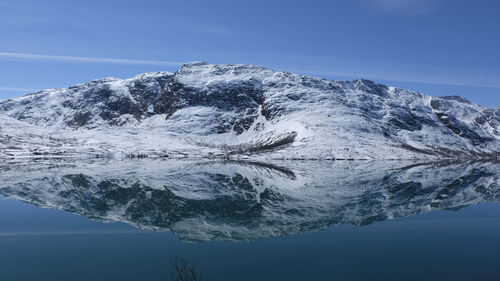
(183, 271)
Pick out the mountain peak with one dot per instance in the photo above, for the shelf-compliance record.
(195, 63)
(246, 109)
(148, 75)
(103, 80)
(370, 86)
(456, 98)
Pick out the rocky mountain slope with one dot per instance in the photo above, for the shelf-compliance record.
(241, 200)
(206, 110)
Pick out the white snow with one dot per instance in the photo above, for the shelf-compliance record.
(331, 119)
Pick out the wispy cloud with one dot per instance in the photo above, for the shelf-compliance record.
(463, 79)
(10, 89)
(404, 7)
(410, 79)
(56, 58)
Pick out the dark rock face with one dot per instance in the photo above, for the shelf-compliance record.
(243, 99)
(461, 129)
(456, 98)
(371, 87)
(80, 119)
(405, 120)
(139, 101)
(490, 117)
(458, 127)
(98, 100)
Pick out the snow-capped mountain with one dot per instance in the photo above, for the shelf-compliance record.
(241, 200)
(206, 110)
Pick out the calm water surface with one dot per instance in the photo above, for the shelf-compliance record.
(240, 221)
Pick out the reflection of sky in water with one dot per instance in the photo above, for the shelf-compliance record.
(440, 245)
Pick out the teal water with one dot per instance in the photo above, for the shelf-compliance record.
(42, 244)
(82, 242)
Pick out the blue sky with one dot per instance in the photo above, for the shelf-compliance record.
(437, 47)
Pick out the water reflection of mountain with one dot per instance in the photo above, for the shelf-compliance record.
(238, 201)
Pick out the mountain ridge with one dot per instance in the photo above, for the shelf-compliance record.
(206, 109)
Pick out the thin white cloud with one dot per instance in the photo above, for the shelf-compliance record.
(55, 58)
(453, 81)
(10, 89)
(354, 75)
(404, 7)
(350, 75)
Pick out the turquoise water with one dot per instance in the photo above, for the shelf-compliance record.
(250, 221)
